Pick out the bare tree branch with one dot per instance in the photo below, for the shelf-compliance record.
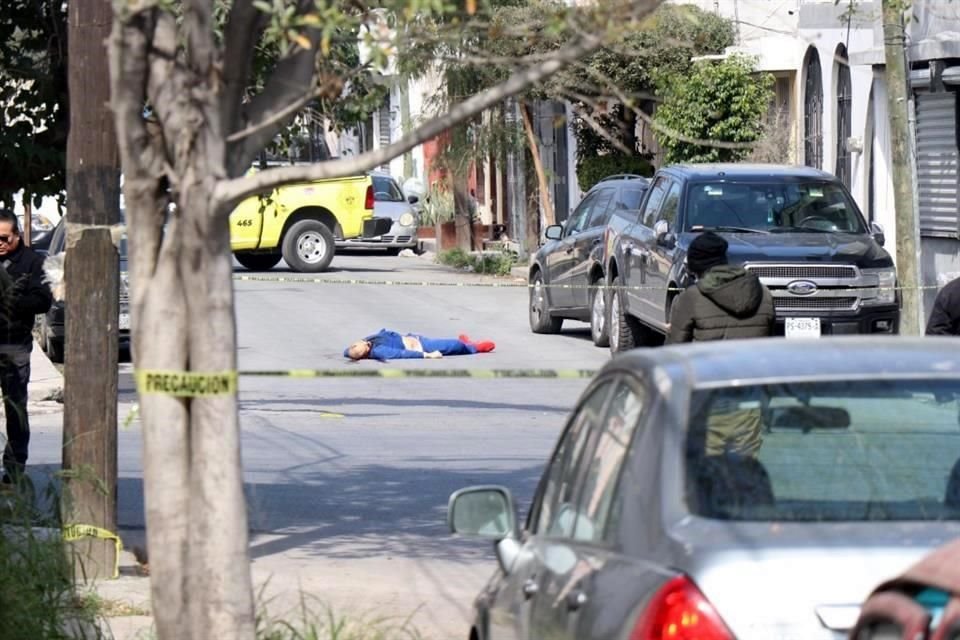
(657, 126)
(280, 116)
(166, 78)
(238, 188)
(243, 29)
(290, 80)
(198, 26)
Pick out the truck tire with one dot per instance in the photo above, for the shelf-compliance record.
(308, 246)
(539, 309)
(257, 261)
(625, 330)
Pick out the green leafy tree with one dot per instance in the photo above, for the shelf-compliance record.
(638, 68)
(715, 102)
(33, 98)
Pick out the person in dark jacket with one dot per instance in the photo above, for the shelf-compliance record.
(390, 345)
(726, 302)
(23, 296)
(945, 317)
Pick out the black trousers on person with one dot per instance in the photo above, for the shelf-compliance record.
(14, 378)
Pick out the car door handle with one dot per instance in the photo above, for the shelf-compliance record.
(530, 588)
(576, 599)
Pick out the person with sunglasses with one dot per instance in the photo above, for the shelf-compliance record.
(23, 296)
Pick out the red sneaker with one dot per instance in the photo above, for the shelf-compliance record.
(464, 338)
(485, 347)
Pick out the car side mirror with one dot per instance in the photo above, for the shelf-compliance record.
(487, 512)
(413, 199)
(665, 237)
(876, 230)
(482, 512)
(553, 232)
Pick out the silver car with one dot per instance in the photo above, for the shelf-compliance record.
(752, 490)
(389, 202)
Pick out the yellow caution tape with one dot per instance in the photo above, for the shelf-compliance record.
(189, 384)
(186, 384)
(488, 374)
(73, 532)
(512, 284)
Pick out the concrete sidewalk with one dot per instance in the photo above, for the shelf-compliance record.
(46, 384)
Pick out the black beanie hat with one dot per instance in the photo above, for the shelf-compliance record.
(707, 250)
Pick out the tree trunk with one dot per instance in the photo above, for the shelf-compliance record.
(546, 202)
(92, 289)
(463, 219)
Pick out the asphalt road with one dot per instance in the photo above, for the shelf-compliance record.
(348, 479)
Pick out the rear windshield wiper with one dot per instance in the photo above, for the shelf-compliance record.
(700, 227)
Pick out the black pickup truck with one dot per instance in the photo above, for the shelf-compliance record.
(797, 228)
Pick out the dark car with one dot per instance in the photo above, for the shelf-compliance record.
(748, 490)
(565, 270)
(797, 228)
(53, 323)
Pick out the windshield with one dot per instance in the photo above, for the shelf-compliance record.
(386, 190)
(839, 451)
(796, 207)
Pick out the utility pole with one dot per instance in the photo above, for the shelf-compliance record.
(92, 291)
(908, 271)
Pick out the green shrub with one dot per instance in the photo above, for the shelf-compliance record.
(498, 263)
(456, 258)
(592, 170)
(314, 620)
(724, 100)
(38, 598)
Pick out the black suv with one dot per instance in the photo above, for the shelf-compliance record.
(797, 228)
(564, 269)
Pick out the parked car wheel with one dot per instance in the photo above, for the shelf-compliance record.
(598, 315)
(540, 319)
(258, 261)
(308, 246)
(625, 331)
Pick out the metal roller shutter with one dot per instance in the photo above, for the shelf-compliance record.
(937, 164)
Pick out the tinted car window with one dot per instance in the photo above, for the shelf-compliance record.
(606, 460)
(630, 197)
(797, 207)
(557, 505)
(601, 209)
(652, 206)
(386, 190)
(840, 451)
(668, 211)
(579, 217)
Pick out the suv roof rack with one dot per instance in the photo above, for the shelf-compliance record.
(623, 176)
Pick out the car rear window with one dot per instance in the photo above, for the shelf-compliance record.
(840, 451)
(386, 190)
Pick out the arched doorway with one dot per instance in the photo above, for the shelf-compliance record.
(844, 94)
(812, 110)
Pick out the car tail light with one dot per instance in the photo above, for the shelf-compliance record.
(369, 201)
(678, 611)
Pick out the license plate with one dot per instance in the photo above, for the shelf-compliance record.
(803, 328)
(124, 321)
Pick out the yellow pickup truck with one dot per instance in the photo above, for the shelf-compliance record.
(301, 222)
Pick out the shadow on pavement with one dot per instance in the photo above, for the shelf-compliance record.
(310, 404)
(372, 511)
